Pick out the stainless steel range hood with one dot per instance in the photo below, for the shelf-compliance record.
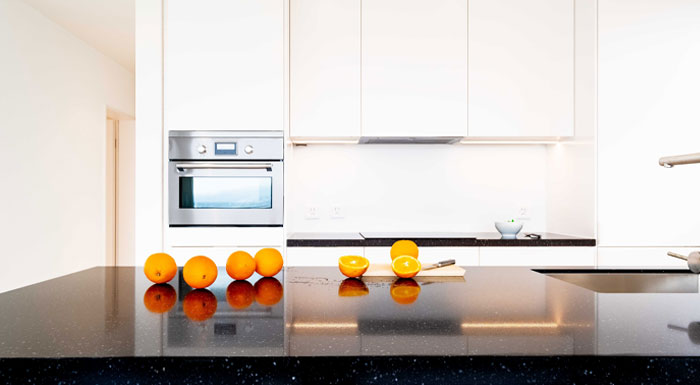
(410, 139)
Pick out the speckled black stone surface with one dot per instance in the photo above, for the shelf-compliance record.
(312, 325)
(348, 370)
(433, 240)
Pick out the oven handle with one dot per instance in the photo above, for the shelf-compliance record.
(223, 166)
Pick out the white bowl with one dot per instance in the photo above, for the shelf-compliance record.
(509, 230)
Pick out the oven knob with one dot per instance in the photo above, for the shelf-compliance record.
(202, 149)
(248, 149)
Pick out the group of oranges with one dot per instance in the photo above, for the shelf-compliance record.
(200, 271)
(404, 261)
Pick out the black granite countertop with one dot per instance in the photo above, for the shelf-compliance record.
(428, 239)
(494, 325)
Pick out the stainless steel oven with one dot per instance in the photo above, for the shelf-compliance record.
(225, 178)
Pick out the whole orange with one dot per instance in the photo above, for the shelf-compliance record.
(199, 305)
(200, 272)
(159, 298)
(160, 268)
(404, 247)
(240, 294)
(268, 262)
(268, 291)
(240, 265)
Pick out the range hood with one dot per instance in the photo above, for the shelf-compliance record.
(410, 139)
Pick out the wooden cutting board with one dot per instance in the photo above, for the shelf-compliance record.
(384, 270)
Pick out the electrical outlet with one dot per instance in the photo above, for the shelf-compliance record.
(337, 212)
(524, 213)
(311, 212)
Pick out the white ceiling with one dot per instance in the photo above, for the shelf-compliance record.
(107, 25)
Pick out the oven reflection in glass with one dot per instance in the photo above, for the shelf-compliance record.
(228, 318)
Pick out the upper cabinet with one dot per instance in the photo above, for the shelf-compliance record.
(324, 68)
(414, 68)
(224, 64)
(521, 68)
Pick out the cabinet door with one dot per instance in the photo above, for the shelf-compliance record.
(648, 98)
(521, 68)
(224, 65)
(414, 68)
(324, 68)
(537, 256)
(319, 256)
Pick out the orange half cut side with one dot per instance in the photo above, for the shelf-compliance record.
(405, 266)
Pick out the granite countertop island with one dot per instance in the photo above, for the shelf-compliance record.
(310, 325)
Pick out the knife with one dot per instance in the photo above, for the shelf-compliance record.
(439, 264)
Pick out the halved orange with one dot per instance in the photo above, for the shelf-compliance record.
(405, 266)
(353, 266)
(403, 247)
(405, 291)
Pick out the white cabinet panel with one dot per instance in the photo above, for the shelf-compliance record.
(319, 256)
(463, 256)
(521, 68)
(649, 93)
(537, 256)
(224, 236)
(325, 68)
(414, 67)
(641, 257)
(217, 254)
(224, 64)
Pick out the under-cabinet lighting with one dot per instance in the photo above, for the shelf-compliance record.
(510, 325)
(325, 325)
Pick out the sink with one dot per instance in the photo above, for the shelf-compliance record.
(629, 281)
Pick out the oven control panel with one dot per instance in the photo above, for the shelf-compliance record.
(229, 145)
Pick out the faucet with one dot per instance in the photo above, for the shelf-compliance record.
(669, 161)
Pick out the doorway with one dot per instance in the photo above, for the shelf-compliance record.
(119, 188)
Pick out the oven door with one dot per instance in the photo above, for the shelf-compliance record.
(231, 193)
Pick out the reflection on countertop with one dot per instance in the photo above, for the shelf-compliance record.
(116, 312)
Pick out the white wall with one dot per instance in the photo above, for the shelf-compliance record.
(649, 98)
(126, 169)
(55, 93)
(415, 187)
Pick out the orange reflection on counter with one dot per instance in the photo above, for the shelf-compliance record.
(160, 298)
(405, 291)
(352, 287)
(199, 305)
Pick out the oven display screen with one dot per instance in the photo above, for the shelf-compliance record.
(208, 192)
(225, 148)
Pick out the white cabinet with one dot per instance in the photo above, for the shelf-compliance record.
(324, 68)
(319, 256)
(649, 56)
(537, 256)
(641, 257)
(521, 68)
(414, 68)
(463, 256)
(224, 64)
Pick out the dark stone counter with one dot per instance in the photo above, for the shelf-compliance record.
(438, 239)
(496, 325)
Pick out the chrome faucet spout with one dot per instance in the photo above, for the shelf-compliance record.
(670, 161)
